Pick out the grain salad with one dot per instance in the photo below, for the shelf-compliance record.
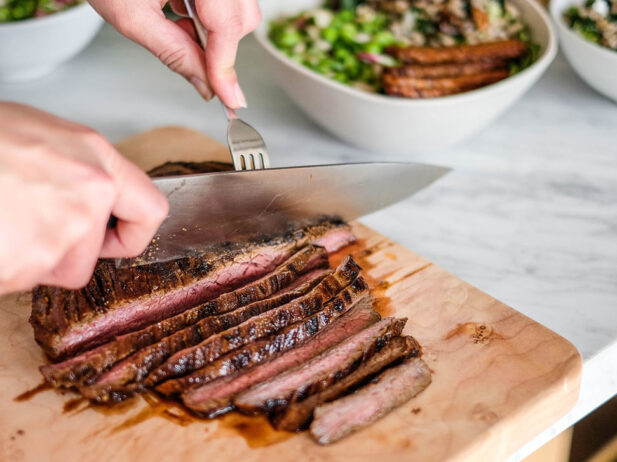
(349, 40)
(595, 21)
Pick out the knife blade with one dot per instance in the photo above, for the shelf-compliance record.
(211, 208)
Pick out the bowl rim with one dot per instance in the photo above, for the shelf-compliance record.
(541, 64)
(557, 10)
(37, 21)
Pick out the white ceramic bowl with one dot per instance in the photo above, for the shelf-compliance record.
(595, 64)
(377, 122)
(34, 47)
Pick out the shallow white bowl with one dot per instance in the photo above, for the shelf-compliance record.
(34, 47)
(595, 64)
(378, 122)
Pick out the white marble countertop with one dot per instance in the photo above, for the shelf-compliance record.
(528, 214)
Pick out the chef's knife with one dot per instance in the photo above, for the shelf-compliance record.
(211, 208)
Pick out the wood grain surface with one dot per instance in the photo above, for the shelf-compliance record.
(499, 378)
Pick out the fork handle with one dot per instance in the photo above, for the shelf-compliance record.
(202, 33)
(229, 112)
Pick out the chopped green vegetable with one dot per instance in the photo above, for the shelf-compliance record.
(349, 32)
(494, 9)
(16, 10)
(330, 34)
(384, 38)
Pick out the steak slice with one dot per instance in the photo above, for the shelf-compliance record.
(435, 71)
(194, 358)
(499, 50)
(188, 168)
(414, 87)
(86, 367)
(298, 414)
(320, 372)
(112, 384)
(117, 301)
(215, 398)
(394, 387)
(285, 339)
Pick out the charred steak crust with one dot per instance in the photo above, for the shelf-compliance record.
(188, 168)
(298, 413)
(258, 327)
(393, 387)
(85, 368)
(313, 377)
(214, 398)
(56, 310)
(117, 301)
(137, 366)
(283, 340)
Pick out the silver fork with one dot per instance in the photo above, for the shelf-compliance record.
(246, 145)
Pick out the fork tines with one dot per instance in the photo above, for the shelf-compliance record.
(248, 149)
(250, 161)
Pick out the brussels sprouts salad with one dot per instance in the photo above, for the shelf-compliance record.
(15, 10)
(595, 21)
(348, 40)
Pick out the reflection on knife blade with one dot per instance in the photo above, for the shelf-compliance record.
(212, 208)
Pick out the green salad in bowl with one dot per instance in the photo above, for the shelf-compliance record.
(350, 40)
(595, 21)
(16, 10)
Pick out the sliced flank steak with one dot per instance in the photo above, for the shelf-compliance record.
(86, 367)
(298, 414)
(313, 377)
(191, 359)
(215, 398)
(117, 301)
(268, 347)
(122, 379)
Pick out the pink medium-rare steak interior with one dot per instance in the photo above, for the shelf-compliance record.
(335, 240)
(142, 312)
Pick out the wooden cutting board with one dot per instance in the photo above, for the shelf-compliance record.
(499, 378)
